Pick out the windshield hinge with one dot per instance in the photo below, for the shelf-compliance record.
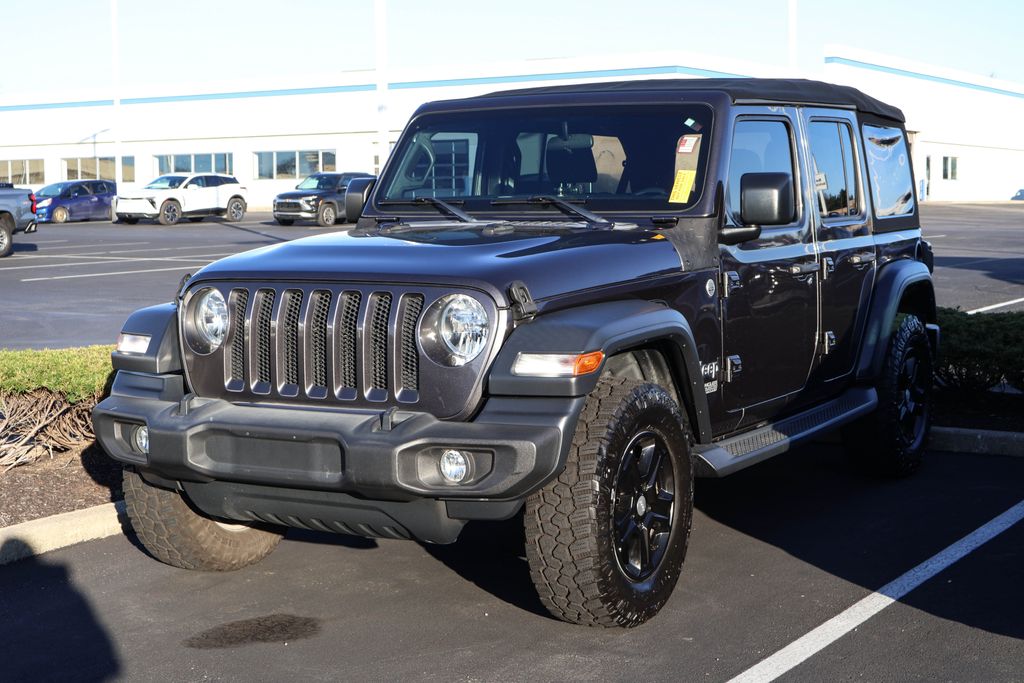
(523, 305)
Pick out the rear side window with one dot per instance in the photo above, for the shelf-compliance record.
(212, 181)
(758, 147)
(892, 188)
(835, 180)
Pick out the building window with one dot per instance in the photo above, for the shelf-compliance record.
(88, 168)
(949, 168)
(24, 171)
(128, 169)
(194, 163)
(290, 165)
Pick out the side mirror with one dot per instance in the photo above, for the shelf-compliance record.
(356, 196)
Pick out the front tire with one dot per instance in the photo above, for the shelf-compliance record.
(175, 533)
(891, 441)
(606, 539)
(235, 210)
(60, 215)
(326, 215)
(170, 212)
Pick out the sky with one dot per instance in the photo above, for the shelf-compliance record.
(194, 41)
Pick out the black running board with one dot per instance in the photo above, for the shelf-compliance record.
(743, 450)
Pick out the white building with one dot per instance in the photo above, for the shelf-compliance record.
(968, 144)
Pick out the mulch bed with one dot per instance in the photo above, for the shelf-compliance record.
(67, 481)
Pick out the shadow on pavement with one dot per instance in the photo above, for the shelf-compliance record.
(815, 506)
(1005, 269)
(490, 555)
(35, 598)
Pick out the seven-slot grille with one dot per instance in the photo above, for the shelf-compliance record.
(318, 343)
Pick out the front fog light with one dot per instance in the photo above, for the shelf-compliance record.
(454, 466)
(140, 439)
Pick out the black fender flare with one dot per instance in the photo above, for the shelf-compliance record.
(162, 357)
(894, 281)
(608, 327)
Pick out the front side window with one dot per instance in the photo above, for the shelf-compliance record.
(835, 180)
(606, 158)
(892, 189)
(758, 147)
(166, 182)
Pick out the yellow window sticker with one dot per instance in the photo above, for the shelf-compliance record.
(683, 186)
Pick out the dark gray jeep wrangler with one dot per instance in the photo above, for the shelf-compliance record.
(564, 301)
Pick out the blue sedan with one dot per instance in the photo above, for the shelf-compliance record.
(75, 200)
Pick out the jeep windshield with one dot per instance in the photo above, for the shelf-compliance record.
(613, 158)
(166, 182)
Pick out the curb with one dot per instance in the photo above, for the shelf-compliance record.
(39, 536)
(977, 441)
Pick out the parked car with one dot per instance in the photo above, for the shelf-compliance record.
(17, 214)
(561, 301)
(174, 196)
(320, 197)
(76, 200)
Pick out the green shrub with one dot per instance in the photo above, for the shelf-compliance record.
(978, 352)
(78, 374)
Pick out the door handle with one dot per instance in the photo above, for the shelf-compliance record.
(862, 258)
(804, 268)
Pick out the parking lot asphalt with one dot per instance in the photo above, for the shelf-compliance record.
(75, 284)
(776, 551)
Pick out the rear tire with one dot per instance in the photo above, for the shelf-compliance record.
(175, 533)
(235, 210)
(170, 212)
(891, 440)
(60, 215)
(6, 237)
(326, 215)
(606, 539)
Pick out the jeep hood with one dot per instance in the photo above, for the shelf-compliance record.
(550, 263)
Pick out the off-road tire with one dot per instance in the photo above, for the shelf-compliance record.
(883, 443)
(175, 533)
(326, 215)
(170, 212)
(285, 221)
(6, 236)
(60, 215)
(235, 210)
(569, 524)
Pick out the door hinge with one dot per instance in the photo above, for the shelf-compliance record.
(828, 267)
(733, 367)
(828, 341)
(730, 282)
(523, 305)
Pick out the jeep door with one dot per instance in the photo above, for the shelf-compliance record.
(769, 284)
(845, 246)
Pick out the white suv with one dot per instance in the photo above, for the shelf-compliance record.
(174, 196)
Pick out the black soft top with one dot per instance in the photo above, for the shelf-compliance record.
(740, 90)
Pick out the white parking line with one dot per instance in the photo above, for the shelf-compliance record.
(106, 260)
(120, 272)
(835, 628)
(995, 306)
(111, 244)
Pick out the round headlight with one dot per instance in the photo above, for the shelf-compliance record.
(210, 318)
(463, 328)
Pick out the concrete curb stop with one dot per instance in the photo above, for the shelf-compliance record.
(977, 441)
(40, 536)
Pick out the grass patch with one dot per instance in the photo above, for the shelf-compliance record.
(77, 374)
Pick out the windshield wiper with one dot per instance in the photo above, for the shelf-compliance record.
(441, 205)
(566, 208)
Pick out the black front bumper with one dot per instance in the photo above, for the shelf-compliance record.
(354, 471)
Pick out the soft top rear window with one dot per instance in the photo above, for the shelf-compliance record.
(608, 158)
(892, 187)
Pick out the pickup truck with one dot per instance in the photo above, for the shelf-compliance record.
(17, 214)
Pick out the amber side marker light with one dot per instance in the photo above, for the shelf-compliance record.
(557, 364)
